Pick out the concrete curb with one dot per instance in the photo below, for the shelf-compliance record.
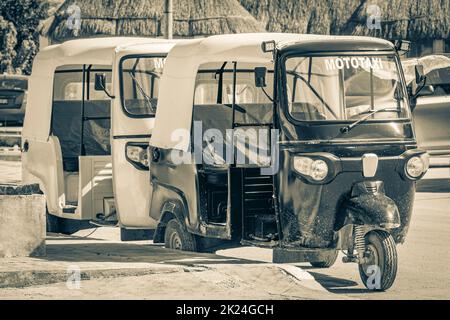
(27, 278)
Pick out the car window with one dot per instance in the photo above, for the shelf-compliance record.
(68, 84)
(140, 84)
(213, 88)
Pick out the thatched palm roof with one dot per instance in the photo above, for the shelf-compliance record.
(145, 18)
(407, 19)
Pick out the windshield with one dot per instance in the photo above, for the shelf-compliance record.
(344, 88)
(140, 84)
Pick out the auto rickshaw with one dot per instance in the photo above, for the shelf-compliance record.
(87, 125)
(332, 166)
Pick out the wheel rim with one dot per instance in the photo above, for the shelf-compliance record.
(372, 259)
(175, 241)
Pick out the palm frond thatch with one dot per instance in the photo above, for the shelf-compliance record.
(146, 18)
(407, 19)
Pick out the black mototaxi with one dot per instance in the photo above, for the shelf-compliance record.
(348, 156)
(343, 155)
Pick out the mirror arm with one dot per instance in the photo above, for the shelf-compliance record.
(267, 95)
(416, 94)
(108, 94)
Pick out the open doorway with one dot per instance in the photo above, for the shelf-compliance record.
(81, 122)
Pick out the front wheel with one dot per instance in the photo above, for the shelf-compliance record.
(379, 269)
(178, 238)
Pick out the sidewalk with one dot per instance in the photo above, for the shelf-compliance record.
(141, 270)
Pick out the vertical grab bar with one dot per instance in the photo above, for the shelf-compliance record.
(83, 96)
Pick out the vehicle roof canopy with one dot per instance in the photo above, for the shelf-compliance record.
(96, 51)
(185, 58)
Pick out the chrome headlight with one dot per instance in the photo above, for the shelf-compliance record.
(417, 166)
(316, 169)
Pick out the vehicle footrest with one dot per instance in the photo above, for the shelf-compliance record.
(69, 209)
(297, 255)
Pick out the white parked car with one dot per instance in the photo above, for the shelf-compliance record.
(432, 111)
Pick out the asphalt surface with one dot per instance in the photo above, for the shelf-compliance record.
(424, 258)
(157, 273)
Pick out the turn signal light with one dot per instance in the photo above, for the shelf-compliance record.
(138, 155)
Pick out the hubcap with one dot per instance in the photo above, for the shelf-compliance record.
(371, 259)
(175, 241)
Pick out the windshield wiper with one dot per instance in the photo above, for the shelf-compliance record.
(314, 91)
(141, 89)
(363, 119)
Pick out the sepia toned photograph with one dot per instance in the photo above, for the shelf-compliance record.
(224, 154)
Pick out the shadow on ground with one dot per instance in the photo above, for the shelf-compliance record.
(335, 284)
(433, 185)
(91, 251)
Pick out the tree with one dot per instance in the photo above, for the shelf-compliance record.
(19, 37)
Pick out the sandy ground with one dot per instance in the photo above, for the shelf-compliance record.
(222, 282)
(141, 270)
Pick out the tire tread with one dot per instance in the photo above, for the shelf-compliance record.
(388, 246)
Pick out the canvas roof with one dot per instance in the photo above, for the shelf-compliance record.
(174, 113)
(97, 51)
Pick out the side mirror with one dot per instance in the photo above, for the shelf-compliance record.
(260, 77)
(426, 91)
(402, 46)
(420, 76)
(100, 82)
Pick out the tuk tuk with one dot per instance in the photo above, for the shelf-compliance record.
(299, 143)
(89, 117)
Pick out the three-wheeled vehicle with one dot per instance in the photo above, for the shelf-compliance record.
(299, 143)
(87, 126)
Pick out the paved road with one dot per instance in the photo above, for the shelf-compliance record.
(424, 259)
(423, 264)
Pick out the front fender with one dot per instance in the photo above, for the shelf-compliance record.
(167, 203)
(370, 209)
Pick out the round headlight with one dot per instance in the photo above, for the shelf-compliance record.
(415, 167)
(303, 165)
(319, 170)
(316, 169)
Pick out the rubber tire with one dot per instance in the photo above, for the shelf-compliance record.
(56, 224)
(135, 235)
(186, 239)
(328, 262)
(384, 244)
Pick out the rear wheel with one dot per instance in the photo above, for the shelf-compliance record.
(53, 223)
(135, 235)
(328, 262)
(178, 238)
(379, 270)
